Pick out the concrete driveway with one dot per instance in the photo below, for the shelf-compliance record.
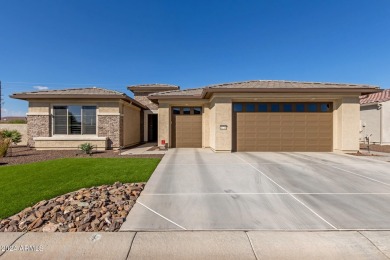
(196, 189)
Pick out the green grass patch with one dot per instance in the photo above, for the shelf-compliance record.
(22, 186)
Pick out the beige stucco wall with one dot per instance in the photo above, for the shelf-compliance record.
(44, 107)
(376, 118)
(131, 125)
(22, 128)
(164, 123)
(206, 126)
(370, 119)
(222, 115)
(337, 124)
(385, 125)
(108, 107)
(39, 108)
(348, 126)
(212, 121)
(218, 111)
(69, 143)
(146, 124)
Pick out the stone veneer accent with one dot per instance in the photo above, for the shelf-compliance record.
(110, 126)
(37, 126)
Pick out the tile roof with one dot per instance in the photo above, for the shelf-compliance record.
(154, 85)
(287, 84)
(82, 93)
(75, 91)
(183, 92)
(376, 97)
(262, 84)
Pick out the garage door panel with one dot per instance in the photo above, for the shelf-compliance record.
(188, 131)
(287, 124)
(284, 131)
(262, 130)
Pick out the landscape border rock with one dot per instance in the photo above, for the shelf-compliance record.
(102, 208)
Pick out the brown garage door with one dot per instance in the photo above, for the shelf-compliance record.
(283, 126)
(187, 127)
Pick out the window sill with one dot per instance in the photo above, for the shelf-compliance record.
(71, 138)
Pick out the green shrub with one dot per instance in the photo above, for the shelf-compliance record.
(86, 147)
(4, 144)
(14, 135)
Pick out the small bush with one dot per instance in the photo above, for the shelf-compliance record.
(14, 135)
(4, 144)
(86, 147)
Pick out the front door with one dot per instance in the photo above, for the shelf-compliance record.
(152, 128)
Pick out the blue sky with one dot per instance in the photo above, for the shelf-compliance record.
(112, 44)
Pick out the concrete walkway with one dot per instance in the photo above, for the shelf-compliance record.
(197, 245)
(142, 149)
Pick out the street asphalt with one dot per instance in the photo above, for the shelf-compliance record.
(197, 189)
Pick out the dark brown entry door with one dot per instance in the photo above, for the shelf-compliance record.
(152, 128)
(187, 127)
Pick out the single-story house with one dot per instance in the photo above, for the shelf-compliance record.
(257, 115)
(375, 117)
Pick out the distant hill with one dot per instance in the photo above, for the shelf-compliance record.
(13, 119)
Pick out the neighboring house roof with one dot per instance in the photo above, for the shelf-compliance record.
(376, 97)
(265, 86)
(77, 93)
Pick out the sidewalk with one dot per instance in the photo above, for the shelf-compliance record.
(143, 149)
(197, 245)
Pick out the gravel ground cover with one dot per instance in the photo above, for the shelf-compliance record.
(24, 185)
(22, 155)
(102, 208)
(97, 205)
(358, 153)
(376, 148)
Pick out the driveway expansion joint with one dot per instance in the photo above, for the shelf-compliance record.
(373, 244)
(2, 253)
(131, 245)
(315, 213)
(158, 214)
(250, 242)
(341, 169)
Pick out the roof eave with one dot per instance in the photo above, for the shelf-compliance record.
(74, 96)
(207, 92)
(360, 91)
(370, 103)
(135, 88)
(174, 97)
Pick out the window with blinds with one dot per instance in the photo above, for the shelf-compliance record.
(74, 120)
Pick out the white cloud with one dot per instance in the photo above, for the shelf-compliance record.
(41, 87)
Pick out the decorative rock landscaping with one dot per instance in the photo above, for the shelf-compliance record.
(102, 208)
